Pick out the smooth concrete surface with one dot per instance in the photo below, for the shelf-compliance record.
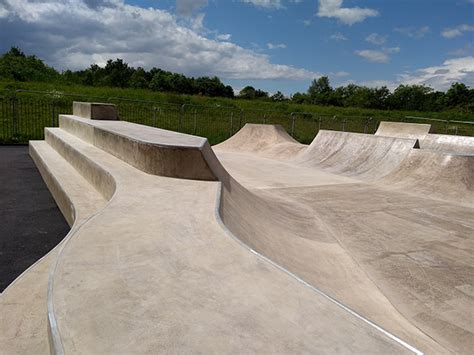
(404, 130)
(401, 265)
(261, 248)
(145, 275)
(435, 175)
(447, 143)
(95, 111)
(270, 141)
(155, 151)
(357, 155)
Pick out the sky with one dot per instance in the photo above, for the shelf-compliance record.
(269, 44)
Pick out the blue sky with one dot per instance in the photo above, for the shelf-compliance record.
(271, 44)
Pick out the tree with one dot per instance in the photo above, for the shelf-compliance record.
(138, 79)
(260, 94)
(247, 92)
(15, 65)
(320, 91)
(278, 96)
(299, 98)
(459, 95)
(409, 97)
(117, 73)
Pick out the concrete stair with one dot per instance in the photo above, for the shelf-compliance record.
(24, 305)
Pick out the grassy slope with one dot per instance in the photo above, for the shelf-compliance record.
(142, 94)
(212, 121)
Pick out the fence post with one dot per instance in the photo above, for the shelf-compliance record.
(14, 106)
(154, 115)
(447, 126)
(292, 117)
(181, 116)
(366, 126)
(53, 105)
(195, 122)
(241, 117)
(231, 124)
(264, 118)
(344, 124)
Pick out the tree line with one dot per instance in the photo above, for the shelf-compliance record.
(15, 65)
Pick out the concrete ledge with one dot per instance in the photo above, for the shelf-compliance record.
(152, 150)
(95, 111)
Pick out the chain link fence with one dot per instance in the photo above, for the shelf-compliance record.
(25, 114)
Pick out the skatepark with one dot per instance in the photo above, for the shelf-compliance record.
(355, 243)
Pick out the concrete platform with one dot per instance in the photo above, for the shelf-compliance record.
(260, 245)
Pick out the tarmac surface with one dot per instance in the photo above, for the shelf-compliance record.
(30, 222)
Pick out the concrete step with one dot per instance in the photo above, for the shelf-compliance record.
(67, 146)
(23, 305)
(152, 150)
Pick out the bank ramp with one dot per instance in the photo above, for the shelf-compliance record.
(375, 239)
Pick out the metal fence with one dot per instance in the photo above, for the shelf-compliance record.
(25, 114)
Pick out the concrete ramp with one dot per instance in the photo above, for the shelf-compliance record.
(153, 267)
(178, 255)
(264, 140)
(371, 242)
(404, 130)
(433, 174)
(362, 156)
(449, 144)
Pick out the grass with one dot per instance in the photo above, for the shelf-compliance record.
(214, 118)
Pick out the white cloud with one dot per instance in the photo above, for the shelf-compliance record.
(276, 45)
(465, 51)
(224, 37)
(413, 32)
(197, 22)
(442, 76)
(374, 55)
(438, 77)
(188, 7)
(392, 50)
(378, 56)
(347, 15)
(71, 34)
(267, 4)
(339, 74)
(375, 38)
(456, 31)
(338, 37)
(307, 22)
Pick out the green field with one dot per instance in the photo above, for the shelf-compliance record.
(23, 115)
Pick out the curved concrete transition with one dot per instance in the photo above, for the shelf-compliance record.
(258, 245)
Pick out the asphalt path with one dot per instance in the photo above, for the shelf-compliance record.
(31, 224)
